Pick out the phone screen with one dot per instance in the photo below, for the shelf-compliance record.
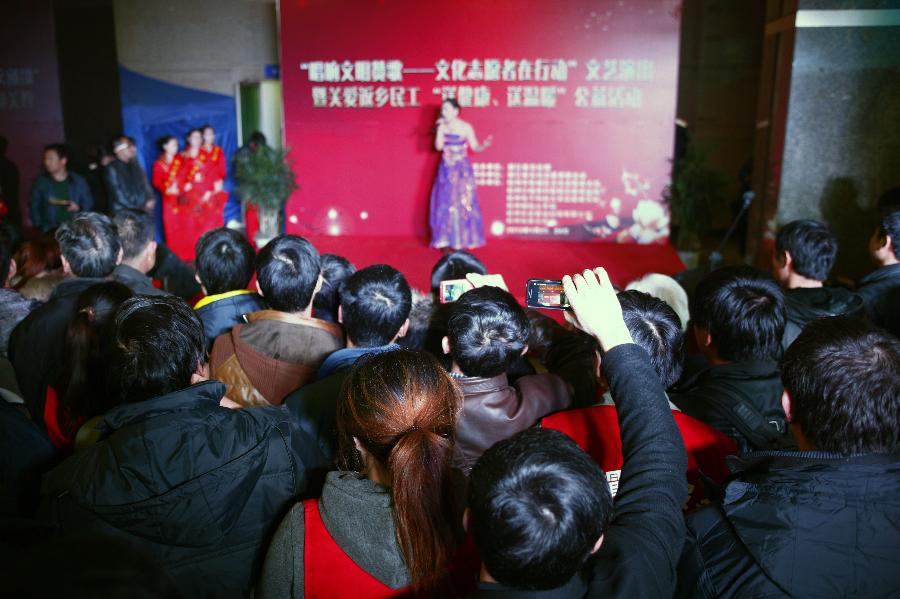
(453, 289)
(544, 293)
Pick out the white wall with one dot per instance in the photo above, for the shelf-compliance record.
(204, 44)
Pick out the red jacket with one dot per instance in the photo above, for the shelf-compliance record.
(329, 572)
(596, 430)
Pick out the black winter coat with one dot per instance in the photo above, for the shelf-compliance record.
(198, 486)
(880, 291)
(798, 524)
(715, 396)
(36, 344)
(807, 304)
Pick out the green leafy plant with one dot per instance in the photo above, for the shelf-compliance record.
(265, 177)
(695, 190)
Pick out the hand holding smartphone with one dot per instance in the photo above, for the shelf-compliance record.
(451, 290)
(547, 294)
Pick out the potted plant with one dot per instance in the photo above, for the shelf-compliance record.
(695, 190)
(264, 177)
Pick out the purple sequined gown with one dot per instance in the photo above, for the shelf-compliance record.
(455, 215)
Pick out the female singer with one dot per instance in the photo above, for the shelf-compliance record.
(168, 178)
(455, 215)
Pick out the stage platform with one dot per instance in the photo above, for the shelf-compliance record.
(516, 260)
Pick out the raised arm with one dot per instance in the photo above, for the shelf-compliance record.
(473, 141)
(647, 521)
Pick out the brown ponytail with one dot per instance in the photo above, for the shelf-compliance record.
(402, 407)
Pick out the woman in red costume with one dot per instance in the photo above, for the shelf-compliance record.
(168, 178)
(215, 161)
(205, 200)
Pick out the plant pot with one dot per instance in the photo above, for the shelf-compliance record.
(268, 225)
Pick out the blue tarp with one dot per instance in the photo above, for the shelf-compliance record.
(152, 108)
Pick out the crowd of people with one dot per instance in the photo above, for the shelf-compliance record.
(308, 428)
(190, 183)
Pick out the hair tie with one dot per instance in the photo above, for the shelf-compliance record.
(89, 311)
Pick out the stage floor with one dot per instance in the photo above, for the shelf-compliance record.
(516, 260)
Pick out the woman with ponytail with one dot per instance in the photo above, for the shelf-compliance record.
(79, 392)
(387, 524)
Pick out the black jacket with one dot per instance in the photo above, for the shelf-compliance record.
(127, 185)
(798, 524)
(27, 454)
(807, 304)
(135, 280)
(880, 291)
(36, 344)
(220, 315)
(741, 399)
(641, 546)
(200, 487)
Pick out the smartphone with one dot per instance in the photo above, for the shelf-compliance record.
(545, 293)
(452, 289)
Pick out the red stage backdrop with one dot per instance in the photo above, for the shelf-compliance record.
(579, 96)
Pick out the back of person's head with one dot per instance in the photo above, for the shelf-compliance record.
(654, 326)
(668, 290)
(257, 138)
(225, 261)
(742, 309)
(843, 378)
(455, 265)
(401, 408)
(89, 244)
(158, 345)
(487, 331)
(287, 270)
(81, 389)
(812, 245)
(375, 303)
(36, 257)
(537, 506)
(135, 229)
(890, 227)
(419, 319)
(335, 269)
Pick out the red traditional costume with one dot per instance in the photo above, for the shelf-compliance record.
(168, 178)
(202, 205)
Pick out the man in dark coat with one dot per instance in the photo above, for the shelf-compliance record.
(737, 318)
(374, 311)
(880, 289)
(90, 251)
(805, 251)
(126, 181)
(135, 231)
(823, 521)
(198, 485)
(540, 509)
(57, 193)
